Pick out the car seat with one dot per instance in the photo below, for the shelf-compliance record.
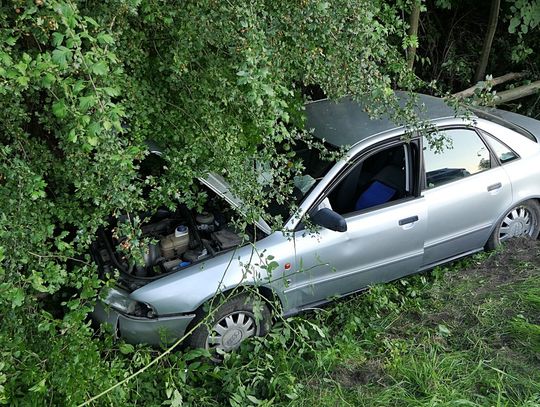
(387, 185)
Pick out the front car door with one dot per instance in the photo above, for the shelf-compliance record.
(385, 235)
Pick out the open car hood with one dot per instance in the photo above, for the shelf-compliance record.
(218, 184)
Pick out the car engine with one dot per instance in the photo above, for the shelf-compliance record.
(178, 239)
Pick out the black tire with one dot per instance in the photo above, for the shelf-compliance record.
(236, 317)
(523, 220)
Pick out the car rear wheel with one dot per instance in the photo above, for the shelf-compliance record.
(233, 321)
(522, 220)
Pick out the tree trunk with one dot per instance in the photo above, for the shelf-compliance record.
(414, 20)
(488, 40)
(517, 93)
(512, 76)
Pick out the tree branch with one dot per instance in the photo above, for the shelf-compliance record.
(512, 76)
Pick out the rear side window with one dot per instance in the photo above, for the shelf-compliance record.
(501, 150)
(465, 155)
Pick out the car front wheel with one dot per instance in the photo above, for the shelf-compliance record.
(233, 321)
(522, 220)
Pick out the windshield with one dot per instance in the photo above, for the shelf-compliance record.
(316, 165)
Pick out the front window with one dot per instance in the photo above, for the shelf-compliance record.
(381, 178)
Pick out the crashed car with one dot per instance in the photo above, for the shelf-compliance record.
(392, 206)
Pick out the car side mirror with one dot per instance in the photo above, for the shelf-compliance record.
(329, 219)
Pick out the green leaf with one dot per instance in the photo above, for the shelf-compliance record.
(23, 80)
(126, 348)
(86, 102)
(39, 387)
(47, 80)
(92, 140)
(59, 109)
(72, 136)
(110, 91)
(17, 297)
(57, 39)
(91, 21)
(61, 55)
(105, 38)
(254, 399)
(99, 68)
(94, 129)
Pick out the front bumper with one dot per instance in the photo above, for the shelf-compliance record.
(152, 331)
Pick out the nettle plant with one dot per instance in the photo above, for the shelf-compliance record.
(85, 84)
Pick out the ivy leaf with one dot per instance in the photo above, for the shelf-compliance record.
(59, 109)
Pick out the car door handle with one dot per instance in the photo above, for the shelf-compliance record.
(406, 221)
(493, 187)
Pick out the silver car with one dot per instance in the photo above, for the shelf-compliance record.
(389, 208)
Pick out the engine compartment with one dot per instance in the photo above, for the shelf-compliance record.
(178, 239)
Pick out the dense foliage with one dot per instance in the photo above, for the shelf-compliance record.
(83, 86)
(219, 85)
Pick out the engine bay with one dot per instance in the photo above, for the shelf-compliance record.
(177, 240)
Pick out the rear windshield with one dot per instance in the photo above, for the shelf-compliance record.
(496, 119)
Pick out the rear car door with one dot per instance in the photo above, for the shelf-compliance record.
(466, 191)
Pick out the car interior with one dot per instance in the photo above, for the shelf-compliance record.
(378, 179)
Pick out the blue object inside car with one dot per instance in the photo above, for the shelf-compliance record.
(376, 194)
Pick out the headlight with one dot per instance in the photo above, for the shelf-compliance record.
(119, 300)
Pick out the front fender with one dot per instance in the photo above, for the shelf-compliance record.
(187, 289)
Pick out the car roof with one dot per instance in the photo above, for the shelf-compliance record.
(344, 122)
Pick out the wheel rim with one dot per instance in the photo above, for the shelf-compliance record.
(231, 330)
(519, 222)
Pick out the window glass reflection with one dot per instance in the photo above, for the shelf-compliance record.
(465, 155)
(502, 151)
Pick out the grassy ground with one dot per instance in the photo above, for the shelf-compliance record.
(468, 335)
